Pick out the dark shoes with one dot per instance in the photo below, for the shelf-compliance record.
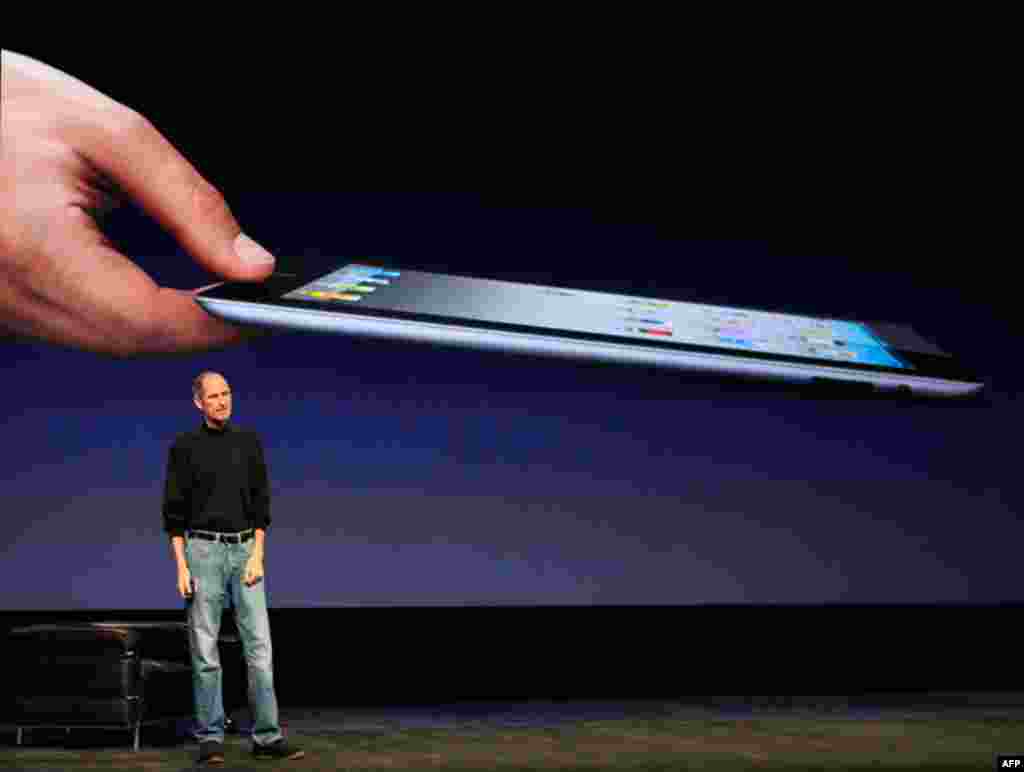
(211, 753)
(277, 750)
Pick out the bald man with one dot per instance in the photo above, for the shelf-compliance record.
(217, 510)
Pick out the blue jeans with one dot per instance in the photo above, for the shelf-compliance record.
(218, 569)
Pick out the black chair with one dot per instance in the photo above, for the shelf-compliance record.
(95, 675)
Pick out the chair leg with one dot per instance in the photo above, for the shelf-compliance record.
(18, 742)
(138, 724)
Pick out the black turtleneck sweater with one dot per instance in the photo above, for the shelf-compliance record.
(216, 481)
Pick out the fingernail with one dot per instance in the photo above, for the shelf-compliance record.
(251, 252)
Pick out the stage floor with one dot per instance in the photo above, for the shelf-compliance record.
(941, 731)
(326, 720)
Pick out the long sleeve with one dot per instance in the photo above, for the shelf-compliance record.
(176, 495)
(259, 489)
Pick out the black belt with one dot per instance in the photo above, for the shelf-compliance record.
(227, 538)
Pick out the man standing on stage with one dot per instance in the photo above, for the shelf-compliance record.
(216, 510)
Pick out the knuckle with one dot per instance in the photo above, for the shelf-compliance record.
(207, 201)
(126, 125)
(142, 333)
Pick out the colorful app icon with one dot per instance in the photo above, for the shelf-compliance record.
(346, 287)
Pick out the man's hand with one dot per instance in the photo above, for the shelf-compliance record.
(68, 155)
(253, 570)
(184, 583)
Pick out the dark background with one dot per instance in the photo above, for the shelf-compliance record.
(671, 515)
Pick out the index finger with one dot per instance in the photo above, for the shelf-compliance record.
(147, 167)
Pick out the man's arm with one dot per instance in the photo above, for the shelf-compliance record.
(178, 549)
(175, 507)
(260, 498)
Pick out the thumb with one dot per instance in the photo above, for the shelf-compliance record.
(150, 170)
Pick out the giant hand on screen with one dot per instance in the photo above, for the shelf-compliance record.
(68, 155)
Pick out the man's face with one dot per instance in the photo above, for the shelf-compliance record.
(215, 401)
